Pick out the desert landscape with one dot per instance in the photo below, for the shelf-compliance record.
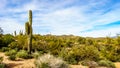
(59, 34)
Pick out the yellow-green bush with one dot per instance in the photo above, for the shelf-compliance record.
(22, 54)
(11, 52)
(78, 53)
(106, 63)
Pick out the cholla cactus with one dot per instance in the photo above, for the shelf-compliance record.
(28, 31)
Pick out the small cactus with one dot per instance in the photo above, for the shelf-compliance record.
(15, 33)
(21, 32)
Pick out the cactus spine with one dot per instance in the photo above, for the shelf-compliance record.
(28, 31)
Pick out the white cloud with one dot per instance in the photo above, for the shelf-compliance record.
(10, 25)
(102, 33)
(58, 19)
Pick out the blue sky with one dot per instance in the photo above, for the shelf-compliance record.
(93, 18)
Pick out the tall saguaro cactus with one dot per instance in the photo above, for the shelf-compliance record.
(28, 31)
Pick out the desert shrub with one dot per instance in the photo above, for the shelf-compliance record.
(12, 57)
(109, 52)
(13, 45)
(113, 57)
(81, 40)
(83, 52)
(1, 59)
(78, 53)
(91, 64)
(4, 49)
(49, 61)
(106, 63)
(68, 56)
(7, 39)
(20, 42)
(89, 42)
(70, 59)
(22, 54)
(2, 65)
(36, 55)
(11, 52)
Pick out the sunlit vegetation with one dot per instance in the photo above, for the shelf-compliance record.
(73, 49)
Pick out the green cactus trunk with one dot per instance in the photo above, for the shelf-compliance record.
(28, 28)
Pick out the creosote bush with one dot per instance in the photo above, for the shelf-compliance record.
(49, 61)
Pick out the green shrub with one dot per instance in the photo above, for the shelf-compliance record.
(13, 45)
(12, 57)
(49, 61)
(22, 54)
(79, 53)
(4, 49)
(37, 54)
(106, 63)
(71, 60)
(86, 53)
(11, 52)
(2, 65)
(68, 56)
(84, 63)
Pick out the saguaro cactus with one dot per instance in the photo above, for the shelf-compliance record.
(28, 31)
(14, 33)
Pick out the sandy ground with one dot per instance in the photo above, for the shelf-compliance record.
(78, 66)
(30, 63)
(19, 63)
(117, 64)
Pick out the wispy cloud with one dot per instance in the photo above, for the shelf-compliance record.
(78, 17)
(11, 25)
